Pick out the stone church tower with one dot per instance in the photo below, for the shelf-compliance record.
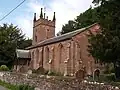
(43, 28)
(66, 54)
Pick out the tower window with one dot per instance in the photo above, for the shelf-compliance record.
(47, 33)
(35, 38)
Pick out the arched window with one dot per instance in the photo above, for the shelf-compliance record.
(35, 38)
(32, 61)
(33, 55)
(47, 33)
(37, 56)
(78, 53)
(60, 52)
(47, 54)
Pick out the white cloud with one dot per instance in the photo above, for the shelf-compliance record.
(26, 25)
(65, 10)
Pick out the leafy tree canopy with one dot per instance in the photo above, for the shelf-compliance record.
(105, 46)
(84, 19)
(11, 38)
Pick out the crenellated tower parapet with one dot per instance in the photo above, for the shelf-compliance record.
(43, 28)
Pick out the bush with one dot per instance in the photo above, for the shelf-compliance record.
(4, 68)
(7, 85)
(25, 87)
(109, 68)
(110, 77)
(16, 87)
(54, 74)
(40, 70)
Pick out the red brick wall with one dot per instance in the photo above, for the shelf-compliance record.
(82, 39)
(43, 29)
(65, 56)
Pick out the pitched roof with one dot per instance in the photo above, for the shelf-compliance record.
(22, 53)
(61, 38)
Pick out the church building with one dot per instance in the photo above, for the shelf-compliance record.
(65, 54)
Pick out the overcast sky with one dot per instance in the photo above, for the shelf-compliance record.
(23, 16)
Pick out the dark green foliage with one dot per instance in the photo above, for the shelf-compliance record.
(109, 38)
(11, 38)
(84, 19)
(4, 68)
(40, 70)
(109, 68)
(25, 43)
(110, 77)
(105, 46)
(104, 78)
(25, 87)
(16, 87)
(7, 85)
(54, 73)
(68, 27)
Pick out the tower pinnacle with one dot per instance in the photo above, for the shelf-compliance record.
(34, 16)
(44, 15)
(54, 18)
(41, 14)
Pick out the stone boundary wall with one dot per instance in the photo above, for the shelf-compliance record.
(42, 82)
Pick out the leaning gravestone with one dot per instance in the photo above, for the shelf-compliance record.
(80, 74)
(29, 72)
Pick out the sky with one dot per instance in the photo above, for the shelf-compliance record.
(23, 15)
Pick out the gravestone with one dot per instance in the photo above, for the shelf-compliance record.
(29, 72)
(80, 74)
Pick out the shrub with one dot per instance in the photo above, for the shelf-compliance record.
(16, 87)
(110, 77)
(109, 68)
(40, 70)
(54, 74)
(25, 87)
(4, 68)
(34, 71)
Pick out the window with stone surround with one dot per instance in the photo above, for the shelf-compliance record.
(68, 51)
(32, 59)
(35, 38)
(37, 56)
(60, 47)
(41, 56)
(32, 55)
(47, 33)
(47, 55)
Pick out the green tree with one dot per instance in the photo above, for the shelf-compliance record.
(84, 19)
(24, 43)
(105, 46)
(11, 38)
(68, 27)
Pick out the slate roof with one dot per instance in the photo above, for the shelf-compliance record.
(63, 37)
(22, 53)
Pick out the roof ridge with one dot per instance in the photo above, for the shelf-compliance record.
(62, 37)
